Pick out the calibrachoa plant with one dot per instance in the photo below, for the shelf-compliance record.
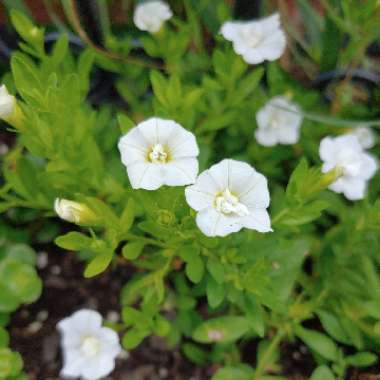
(244, 211)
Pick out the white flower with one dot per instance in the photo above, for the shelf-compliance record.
(150, 15)
(357, 166)
(276, 125)
(365, 136)
(74, 212)
(229, 196)
(159, 152)
(256, 41)
(89, 350)
(7, 103)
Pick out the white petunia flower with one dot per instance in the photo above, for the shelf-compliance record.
(357, 166)
(229, 196)
(275, 125)
(150, 15)
(365, 136)
(74, 212)
(159, 152)
(258, 40)
(7, 103)
(89, 350)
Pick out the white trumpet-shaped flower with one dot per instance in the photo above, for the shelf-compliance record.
(278, 122)
(365, 135)
(159, 152)
(229, 196)
(89, 350)
(7, 103)
(257, 40)
(150, 15)
(356, 166)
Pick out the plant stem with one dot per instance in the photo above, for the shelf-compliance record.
(267, 355)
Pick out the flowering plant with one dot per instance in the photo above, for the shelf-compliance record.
(217, 184)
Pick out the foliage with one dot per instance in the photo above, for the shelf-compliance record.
(208, 295)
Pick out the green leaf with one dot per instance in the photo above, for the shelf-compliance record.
(333, 326)
(215, 293)
(194, 353)
(22, 253)
(98, 264)
(128, 216)
(322, 373)
(85, 63)
(159, 84)
(28, 31)
(4, 337)
(60, 49)
(26, 76)
(216, 269)
(73, 241)
(303, 214)
(125, 122)
(255, 314)
(8, 301)
(132, 251)
(223, 329)
(133, 338)
(318, 342)
(361, 359)
(195, 269)
(241, 372)
(247, 86)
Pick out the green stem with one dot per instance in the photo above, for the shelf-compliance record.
(278, 217)
(264, 361)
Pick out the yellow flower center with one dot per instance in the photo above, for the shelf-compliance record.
(227, 203)
(158, 154)
(90, 346)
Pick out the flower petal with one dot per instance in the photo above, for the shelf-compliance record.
(109, 342)
(266, 137)
(368, 166)
(149, 129)
(145, 175)
(213, 223)
(354, 188)
(179, 172)
(255, 193)
(74, 363)
(258, 220)
(98, 367)
(130, 150)
(219, 174)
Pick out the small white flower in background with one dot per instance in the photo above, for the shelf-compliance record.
(257, 40)
(74, 212)
(275, 125)
(150, 15)
(365, 136)
(89, 350)
(7, 103)
(159, 152)
(357, 166)
(229, 196)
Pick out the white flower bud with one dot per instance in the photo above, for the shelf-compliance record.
(74, 212)
(7, 103)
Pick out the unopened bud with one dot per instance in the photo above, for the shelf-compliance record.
(331, 176)
(75, 212)
(9, 110)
